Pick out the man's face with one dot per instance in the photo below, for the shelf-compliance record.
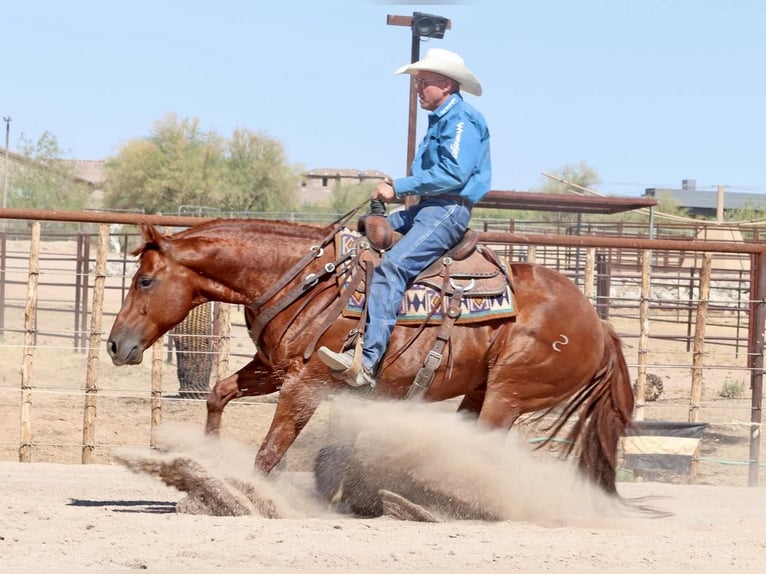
(432, 89)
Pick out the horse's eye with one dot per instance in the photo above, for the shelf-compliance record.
(145, 282)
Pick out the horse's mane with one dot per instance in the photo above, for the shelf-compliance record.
(242, 228)
(238, 227)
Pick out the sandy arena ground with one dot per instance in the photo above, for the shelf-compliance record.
(106, 517)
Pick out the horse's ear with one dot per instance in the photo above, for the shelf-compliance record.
(148, 232)
(152, 238)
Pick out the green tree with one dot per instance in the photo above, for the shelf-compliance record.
(348, 196)
(45, 180)
(256, 176)
(179, 164)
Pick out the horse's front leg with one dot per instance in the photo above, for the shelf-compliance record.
(473, 401)
(299, 398)
(254, 379)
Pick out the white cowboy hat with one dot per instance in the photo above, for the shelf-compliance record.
(447, 64)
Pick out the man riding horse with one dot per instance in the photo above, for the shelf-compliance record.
(450, 173)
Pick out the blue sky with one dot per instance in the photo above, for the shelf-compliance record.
(646, 92)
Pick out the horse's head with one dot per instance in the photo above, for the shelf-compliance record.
(231, 261)
(161, 294)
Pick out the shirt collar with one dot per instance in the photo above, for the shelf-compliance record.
(440, 112)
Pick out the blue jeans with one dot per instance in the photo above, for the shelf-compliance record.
(430, 228)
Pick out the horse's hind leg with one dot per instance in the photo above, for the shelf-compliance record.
(474, 404)
(497, 413)
(254, 379)
(498, 410)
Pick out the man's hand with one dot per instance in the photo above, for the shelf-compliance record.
(384, 192)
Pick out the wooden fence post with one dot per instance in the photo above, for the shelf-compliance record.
(695, 395)
(222, 338)
(30, 339)
(94, 344)
(643, 337)
(156, 417)
(698, 355)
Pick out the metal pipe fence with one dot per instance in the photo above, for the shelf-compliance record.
(658, 327)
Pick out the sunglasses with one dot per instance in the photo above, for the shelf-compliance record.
(423, 83)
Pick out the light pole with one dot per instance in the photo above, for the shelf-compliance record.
(422, 26)
(7, 120)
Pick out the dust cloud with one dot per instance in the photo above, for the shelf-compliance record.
(495, 473)
(433, 458)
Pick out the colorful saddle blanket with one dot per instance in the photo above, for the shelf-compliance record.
(422, 300)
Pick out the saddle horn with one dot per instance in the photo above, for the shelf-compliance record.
(376, 227)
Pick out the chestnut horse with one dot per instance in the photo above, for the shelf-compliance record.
(556, 353)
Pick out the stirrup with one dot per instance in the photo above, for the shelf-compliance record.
(355, 375)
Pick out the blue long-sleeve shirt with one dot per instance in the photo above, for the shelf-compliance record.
(453, 157)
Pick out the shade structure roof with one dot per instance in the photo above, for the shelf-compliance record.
(526, 200)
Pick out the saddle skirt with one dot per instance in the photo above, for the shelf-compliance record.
(486, 293)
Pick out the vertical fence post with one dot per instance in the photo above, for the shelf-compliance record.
(603, 285)
(84, 285)
(689, 308)
(156, 417)
(698, 356)
(590, 269)
(532, 254)
(3, 265)
(125, 280)
(739, 313)
(30, 340)
(222, 338)
(695, 395)
(643, 337)
(94, 346)
(78, 273)
(757, 325)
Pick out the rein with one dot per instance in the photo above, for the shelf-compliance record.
(315, 252)
(265, 316)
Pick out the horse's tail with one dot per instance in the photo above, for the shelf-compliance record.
(605, 409)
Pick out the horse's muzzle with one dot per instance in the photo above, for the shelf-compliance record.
(124, 354)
